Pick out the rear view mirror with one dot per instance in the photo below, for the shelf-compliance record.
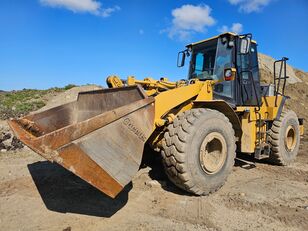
(181, 58)
(245, 44)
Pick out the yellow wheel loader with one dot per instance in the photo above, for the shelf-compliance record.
(197, 124)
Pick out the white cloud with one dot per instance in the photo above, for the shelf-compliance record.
(249, 6)
(223, 29)
(236, 28)
(82, 6)
(189, 19)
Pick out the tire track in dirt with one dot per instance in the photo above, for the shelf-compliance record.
(290, 216)
(22, 185)
(283, 172)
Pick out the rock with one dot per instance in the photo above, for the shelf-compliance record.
(16, 143)
(67, 229)
(8, 141)
(152, 183)
(2, 146)
(243, 194)
(4, 135)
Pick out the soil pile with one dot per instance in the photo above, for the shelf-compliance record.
(67, 96)
(266, 65)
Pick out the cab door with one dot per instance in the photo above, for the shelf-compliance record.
(223, 89)
(248, 78)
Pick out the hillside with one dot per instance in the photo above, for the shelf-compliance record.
(22, 102)
(297, 85)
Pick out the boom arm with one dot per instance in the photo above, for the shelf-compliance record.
(151, 86)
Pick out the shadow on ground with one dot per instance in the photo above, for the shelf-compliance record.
(153, 160)
(245, 161)
(64, 192)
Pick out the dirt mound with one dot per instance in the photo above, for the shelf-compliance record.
(67, 96)
(20, 103)
(298, 101)
(266, 65)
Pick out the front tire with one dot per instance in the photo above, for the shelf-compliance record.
(284, 139)
(199, 150)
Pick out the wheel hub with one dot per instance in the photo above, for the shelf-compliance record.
(213, 153)
(290, 138)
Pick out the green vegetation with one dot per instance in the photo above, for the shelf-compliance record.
(18, 103)
(69, 86)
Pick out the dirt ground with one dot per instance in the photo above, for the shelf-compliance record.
(38, 195)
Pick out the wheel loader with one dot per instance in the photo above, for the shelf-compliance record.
(197, 124)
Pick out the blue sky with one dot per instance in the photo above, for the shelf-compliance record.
(46, 43)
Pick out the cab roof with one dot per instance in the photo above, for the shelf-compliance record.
(215, 37)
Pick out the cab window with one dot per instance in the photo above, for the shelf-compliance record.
(223, 61)
(203, 61)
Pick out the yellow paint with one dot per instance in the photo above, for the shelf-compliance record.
(301, 130)
(248, 139)
(267, 110)
(172, 98)
(114, 81)
(168, 100)
(206, 92)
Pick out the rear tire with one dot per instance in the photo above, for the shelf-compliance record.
(284, 139)
(199, 150)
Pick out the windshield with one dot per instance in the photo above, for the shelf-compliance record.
(209, 60)
(203, 61)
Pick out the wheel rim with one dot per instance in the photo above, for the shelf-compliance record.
(213, 153)
(290, 138)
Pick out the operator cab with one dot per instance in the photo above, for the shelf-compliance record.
(230, 59)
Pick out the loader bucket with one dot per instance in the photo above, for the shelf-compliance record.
(99, 137)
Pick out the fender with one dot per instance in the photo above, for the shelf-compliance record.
(225, 109)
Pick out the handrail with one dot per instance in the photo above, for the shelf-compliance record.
(283, 67)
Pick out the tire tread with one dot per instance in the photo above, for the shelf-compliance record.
(175, 142)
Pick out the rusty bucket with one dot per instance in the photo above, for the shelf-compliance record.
(100, 137)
